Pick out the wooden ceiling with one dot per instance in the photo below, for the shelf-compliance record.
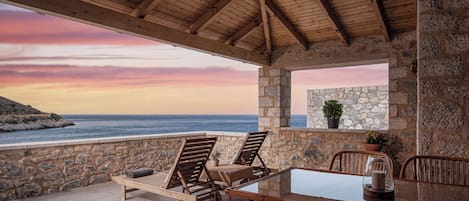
(247, 30)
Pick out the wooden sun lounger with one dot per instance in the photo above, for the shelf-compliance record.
(185, 174)
(250, 150)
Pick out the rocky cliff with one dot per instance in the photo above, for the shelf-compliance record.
(16, 116)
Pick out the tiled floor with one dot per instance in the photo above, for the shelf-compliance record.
(102, 192)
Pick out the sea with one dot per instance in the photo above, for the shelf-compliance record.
(99, 126)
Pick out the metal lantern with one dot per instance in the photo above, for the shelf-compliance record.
(378, 178)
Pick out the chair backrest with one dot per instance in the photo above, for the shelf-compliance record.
(190, 161)
(437, 169)
(250, 148)
(354, 162)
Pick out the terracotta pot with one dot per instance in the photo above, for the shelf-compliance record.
(372, 147)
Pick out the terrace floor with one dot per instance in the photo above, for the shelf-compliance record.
(103, 192)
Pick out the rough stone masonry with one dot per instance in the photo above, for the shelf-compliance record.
(364, 107)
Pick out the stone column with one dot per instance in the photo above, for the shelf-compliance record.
(402, 97)
(274, 111)
(443, 77)
(274, 99)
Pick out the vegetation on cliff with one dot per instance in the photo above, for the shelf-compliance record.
(16, 116)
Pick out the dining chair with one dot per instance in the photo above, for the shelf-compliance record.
(436, 169)
(354, 162)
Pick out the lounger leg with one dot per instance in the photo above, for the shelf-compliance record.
(123, 193)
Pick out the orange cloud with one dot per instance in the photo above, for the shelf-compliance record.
(30, 28)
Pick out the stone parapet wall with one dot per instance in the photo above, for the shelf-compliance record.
(39, 168)
(364, 107)
(309, 148)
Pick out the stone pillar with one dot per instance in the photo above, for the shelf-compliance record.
(443, 77)
(274, 99)
(274, 111)
(402, 97)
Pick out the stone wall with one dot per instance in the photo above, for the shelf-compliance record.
(364, 107)
(36, 169)
(443, 29)
(310, 148)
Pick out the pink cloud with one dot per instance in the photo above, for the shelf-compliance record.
(342, 77)
(31, 28)
(111, 76)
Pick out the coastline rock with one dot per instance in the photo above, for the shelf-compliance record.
(30, 122)
(15, 116)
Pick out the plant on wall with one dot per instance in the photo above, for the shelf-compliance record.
(332, 110)
(374, 140)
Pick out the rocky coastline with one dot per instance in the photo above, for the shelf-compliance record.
(31, 122)
(15, 116)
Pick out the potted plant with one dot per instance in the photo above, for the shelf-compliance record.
(214, 159)
(332, 110)
(374, 140)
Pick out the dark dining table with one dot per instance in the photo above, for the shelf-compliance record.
(298, 184)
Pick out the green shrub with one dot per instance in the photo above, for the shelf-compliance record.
(55, 116)
(332, 109)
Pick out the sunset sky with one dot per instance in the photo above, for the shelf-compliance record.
(66, 67)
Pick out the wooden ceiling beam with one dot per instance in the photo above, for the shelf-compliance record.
(326, 9)
(266, 25)
(245, 31)
(120, 22)
(145, 7)
(209, 15)
(285, 22)
(379, 10)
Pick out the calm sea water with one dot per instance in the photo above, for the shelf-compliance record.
(96, 126)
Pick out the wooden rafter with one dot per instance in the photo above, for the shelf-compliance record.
(111, 5)
(378, 7)
(285, 22)
(209, 15)
(266, 25)
(117, 21)
(244, 31)
(144, 8)
(326, 9)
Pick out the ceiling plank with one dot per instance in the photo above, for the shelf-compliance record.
(110, 19)
(261, 48)
(266, 25)
(245, 31)
(326, 9)
(379, 10)
(285, 22)
(145, 7)
(209, 15)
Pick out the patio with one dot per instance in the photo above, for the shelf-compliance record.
(425, 42)
(103, 192)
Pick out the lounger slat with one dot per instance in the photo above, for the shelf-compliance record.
(195, 152)
(193, 157)
(257, 139)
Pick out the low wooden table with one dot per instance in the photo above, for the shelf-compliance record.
(229, 173)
